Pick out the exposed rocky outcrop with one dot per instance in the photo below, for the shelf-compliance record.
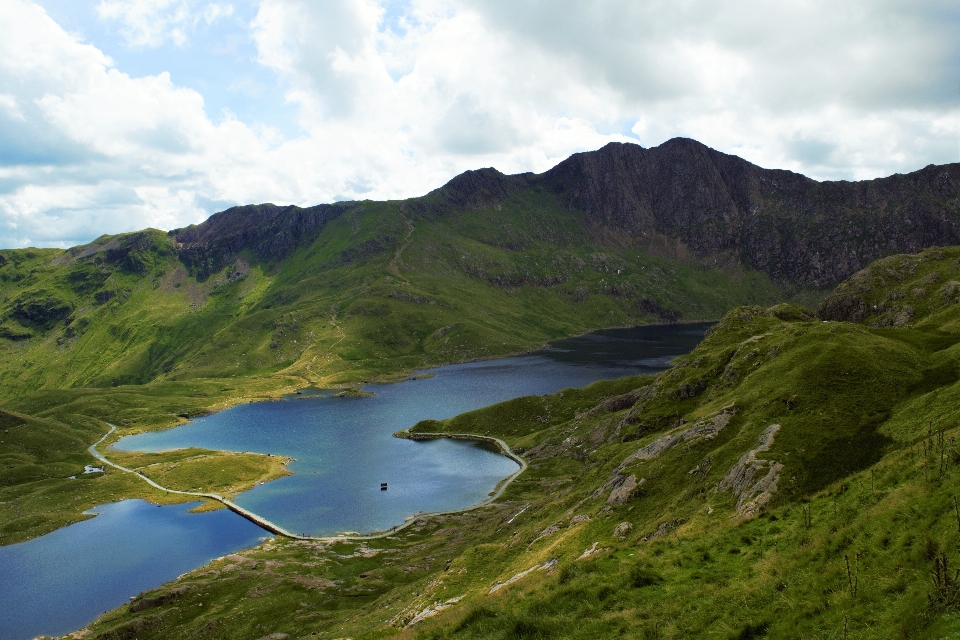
(752, 496)
(433, 610)
(269, 232)
(898, 290)
(545, 566)
(663, 529)
(624, 486)
(703, 429)
(592, 551)
(549, 531)
(713, 204)
(624, 489)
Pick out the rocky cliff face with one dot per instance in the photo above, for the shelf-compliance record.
(268, 231)
(785, 224)
(681, 194)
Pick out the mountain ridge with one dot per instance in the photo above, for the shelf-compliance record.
(663, 197)
(683, 194)
(614, 237)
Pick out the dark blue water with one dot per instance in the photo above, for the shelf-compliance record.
(344, 449)
(59, 582)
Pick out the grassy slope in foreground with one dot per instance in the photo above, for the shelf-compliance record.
(867, 441)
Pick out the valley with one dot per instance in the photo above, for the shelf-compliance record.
(793, 475)
(789, 477)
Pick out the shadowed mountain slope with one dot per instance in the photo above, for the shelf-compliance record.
(267, 231)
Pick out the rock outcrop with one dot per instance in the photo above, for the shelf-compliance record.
(624, 489)
(703, 429)
(545, 566)
(685, 197)
(752, 496)
(898, 290)
(269, 232)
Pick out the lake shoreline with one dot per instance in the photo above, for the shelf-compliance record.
(351, 390)
(459, 388)
(271, 527)
(342, 445)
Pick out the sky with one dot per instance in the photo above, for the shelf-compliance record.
(117, 115)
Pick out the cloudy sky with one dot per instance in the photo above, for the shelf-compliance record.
(117, 115)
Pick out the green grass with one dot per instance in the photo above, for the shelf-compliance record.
(363, 301)
(871, 469)
(223, 472)
(121, 332)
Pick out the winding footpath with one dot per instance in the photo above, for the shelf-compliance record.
(278, 530)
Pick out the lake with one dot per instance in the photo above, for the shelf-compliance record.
(343, 450)
(59, 582)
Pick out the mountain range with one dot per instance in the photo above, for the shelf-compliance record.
(727, 496)
(612, 237)
(681, 199)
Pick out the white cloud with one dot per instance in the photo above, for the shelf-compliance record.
(9, 104)
(119, 153)
(152, 23)
(756, 77)
(394, 105)
(213, 12)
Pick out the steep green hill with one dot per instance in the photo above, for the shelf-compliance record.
(486, 265)
(791, 477)
(373, 294)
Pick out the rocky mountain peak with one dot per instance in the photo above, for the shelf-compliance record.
(680, 194)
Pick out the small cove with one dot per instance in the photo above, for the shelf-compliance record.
(343, 449)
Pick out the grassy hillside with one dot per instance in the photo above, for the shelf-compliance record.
(379, 290)
(131, 331)
(788, 478)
